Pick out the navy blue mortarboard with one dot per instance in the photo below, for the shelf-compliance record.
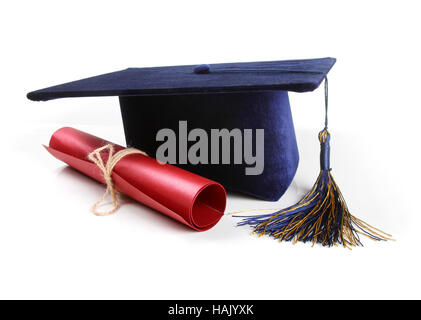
(232, 95)
(292, 75)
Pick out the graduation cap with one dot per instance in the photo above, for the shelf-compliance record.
(232, 96)
(221, 96)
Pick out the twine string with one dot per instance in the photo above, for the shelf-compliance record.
(107, 170)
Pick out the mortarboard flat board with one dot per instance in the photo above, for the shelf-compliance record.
(221, 96)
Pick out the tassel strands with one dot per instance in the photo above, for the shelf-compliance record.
(321, 217)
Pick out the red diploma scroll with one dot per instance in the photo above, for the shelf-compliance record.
(179, 194)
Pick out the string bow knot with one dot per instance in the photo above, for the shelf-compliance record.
(107, 170)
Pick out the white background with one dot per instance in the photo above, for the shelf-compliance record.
(52, 246)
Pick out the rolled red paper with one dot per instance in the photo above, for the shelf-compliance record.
(186, 197)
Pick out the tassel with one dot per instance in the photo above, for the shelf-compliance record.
(322, 216)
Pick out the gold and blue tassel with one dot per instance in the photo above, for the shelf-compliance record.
(322, 216)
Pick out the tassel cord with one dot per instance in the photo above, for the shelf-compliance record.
(322, 216)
